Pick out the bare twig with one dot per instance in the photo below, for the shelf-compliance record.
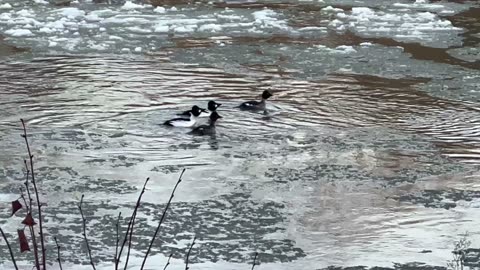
(131, 223)
(85, 232)
(161, 220)
(30, 200)
(58, 253)
(24, 200)
(9, 249)
(188, 253)
(35, 247)
(254, 260)
(29, 209)
(168, 262)
(117, 237)
(40, 220)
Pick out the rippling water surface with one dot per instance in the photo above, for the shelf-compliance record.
(368, 154)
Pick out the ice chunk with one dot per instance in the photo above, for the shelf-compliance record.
(159, 10)
(46, 30)
(5, 6)
(185, 28)
(43, 2)
(24, 13)
(72, 13)
(211, 27)
(138, 49)
(332, 9)
(93, 17)
(366, 44)
(267, 18)
(139, 30)
(345, 49)
(59, 24)
(129, 5)
(19, 32)
(161, 28)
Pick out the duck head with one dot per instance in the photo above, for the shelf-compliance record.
(212, 105)
(266, 94)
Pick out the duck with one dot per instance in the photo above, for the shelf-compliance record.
(184, 122)
(256, 105)
(212, 106)
(207, 129)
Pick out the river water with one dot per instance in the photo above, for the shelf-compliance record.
(368, 155)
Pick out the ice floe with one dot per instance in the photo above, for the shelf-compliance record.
(19, 32)
(5, 6)
(134, 22)
(426, 27)
(129, 5)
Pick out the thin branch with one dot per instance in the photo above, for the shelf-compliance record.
(117, 237)
(188, 253)
(35, 247)
(30, 200)
(255, 260)
(58, 253)
(29, 209)
(85, 232)
(129, 232)
(24, 200)
(161, 220)
(9, 249)
(40, 220)
(168, 262)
